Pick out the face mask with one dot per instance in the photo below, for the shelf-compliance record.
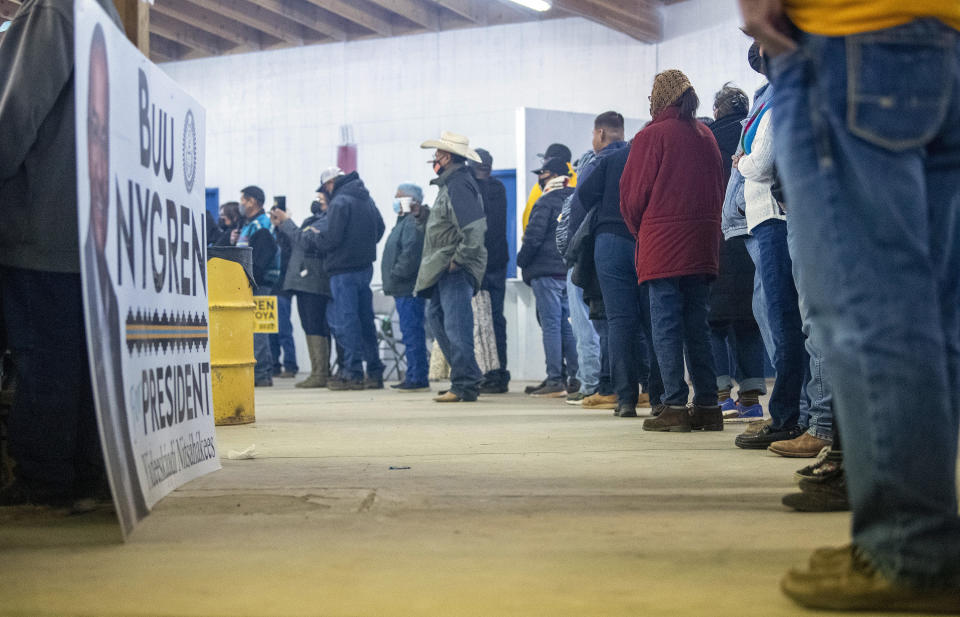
(758, 61)
(316, 207)
(543, 183)
(397, 207)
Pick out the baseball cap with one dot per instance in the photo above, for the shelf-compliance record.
(486, 160)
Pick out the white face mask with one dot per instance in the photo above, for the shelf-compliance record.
(403, 204)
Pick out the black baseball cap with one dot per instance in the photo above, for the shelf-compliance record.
(557, 151)
(554, 166)
(486, 160)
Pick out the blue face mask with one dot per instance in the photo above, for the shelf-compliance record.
(396, 206)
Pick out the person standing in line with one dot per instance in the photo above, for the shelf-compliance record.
(256, 234)
(592, 350)
(872, 183)
(553, 151)
(671, 193)
(735, 338)
(494, 195)
(349, 246)
(307, 278)
(545, 271)
(399, 267)
(281, 343)
(454, 261)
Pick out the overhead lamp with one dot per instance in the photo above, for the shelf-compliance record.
(536, 5)
(5, 26)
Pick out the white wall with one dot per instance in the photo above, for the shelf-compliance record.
(273, 118)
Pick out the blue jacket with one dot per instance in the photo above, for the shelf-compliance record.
(354, 227)
(573, 213)
(733, 221)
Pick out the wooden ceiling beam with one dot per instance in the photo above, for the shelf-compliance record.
(188, 35)
(468, 9)
(368, 16)
(242, 35)
(167, 48)
(259, 18)
(646, 28)
(306, 14)
(420, 12)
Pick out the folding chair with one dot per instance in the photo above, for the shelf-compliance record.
(388, 337)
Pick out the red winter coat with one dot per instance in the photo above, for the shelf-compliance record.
(671, 194)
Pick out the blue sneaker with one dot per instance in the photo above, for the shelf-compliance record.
(728, 405)
(744, 414)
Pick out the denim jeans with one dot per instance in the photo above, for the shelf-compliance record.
(352, 313)
(738, 354)
(263, 370)
(605, 387)
(282, 341)
(450, 315)
(588, 341)
(678, 312)
(496, 284)
(868, 134)
(632, 359)
(780, 316)
(559, 346)
(411, 311)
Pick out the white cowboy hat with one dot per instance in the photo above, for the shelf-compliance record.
(453, 143)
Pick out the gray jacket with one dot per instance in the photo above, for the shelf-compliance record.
(306, 271)
(38, 177)
(733, 217)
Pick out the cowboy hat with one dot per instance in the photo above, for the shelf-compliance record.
(454, 144)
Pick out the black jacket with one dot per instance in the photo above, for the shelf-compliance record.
(354, 227)
(727, 132)
(539, 255)
(401, 256)
(494, 196)
(731, 294)
(602, 190)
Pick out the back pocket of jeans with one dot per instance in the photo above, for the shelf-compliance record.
(898, 89)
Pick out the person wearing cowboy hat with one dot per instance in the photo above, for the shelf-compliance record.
(454, 261)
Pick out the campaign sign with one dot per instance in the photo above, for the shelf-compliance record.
(141, 201)
(265, 315)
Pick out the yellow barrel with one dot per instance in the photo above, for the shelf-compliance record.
(231, 342)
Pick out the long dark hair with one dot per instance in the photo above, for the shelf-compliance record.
(688, 103)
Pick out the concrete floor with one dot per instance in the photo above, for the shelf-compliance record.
(511, 506)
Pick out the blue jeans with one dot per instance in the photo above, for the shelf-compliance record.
(263, 370)
(588, 341)
(738, 353)
(869, 151)
(283, 340)
(352, 316)
(603, 333)
(411, 311)
(450, 315)
(496, 284)
(632, 359)
(678, 312)
(554, 312)
(779, 315)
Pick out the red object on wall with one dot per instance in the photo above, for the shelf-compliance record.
(347, 158)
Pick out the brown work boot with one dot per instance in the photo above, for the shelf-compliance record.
(706, 418)
(452, 397)
(671, 419)
(845, 580)
(600, 401)
(804, 446)
(319, 349)
(644, 400)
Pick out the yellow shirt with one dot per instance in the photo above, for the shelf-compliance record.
(536, 192)
(845, 17)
